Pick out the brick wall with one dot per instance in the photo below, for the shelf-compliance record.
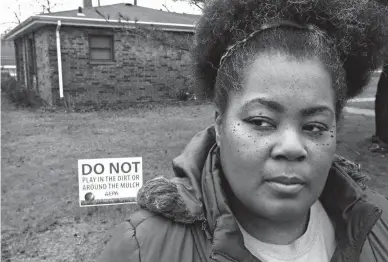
(37, 74)
(44, 67)
(19, 60)
(143, 70)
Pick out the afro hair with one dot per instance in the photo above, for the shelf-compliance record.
(359, 29)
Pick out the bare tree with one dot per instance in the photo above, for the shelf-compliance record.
(152, 33)
(165, 6)
(197, 3)
(180, 44)
(17, 14)
(46, 5)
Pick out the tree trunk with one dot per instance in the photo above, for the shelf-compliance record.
(381, 106)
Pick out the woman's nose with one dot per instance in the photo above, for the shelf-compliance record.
(289, 146)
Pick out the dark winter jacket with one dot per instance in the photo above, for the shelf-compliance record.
(188, 218)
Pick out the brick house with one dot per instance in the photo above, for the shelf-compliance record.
(104, 53)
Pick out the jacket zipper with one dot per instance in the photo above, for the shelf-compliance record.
(206, 229)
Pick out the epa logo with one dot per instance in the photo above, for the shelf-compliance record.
(89, 196)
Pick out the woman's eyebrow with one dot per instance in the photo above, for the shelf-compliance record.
(270, 104)
(317, 110)
(277, 107)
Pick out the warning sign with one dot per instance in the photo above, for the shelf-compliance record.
(109, 181)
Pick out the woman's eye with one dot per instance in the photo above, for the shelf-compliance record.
(315, 128)
(261, 123)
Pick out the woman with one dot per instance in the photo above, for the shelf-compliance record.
(263, 183)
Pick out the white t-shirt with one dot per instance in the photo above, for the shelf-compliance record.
(316, 244)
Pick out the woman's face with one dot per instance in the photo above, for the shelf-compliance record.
(277, 137)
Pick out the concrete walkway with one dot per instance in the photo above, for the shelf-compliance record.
(359, 111)
(363, 99)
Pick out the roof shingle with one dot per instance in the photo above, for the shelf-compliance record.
(132, 13)
(97, 16)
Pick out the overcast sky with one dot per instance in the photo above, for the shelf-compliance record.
(31, 7)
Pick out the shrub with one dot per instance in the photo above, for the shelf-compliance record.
(18, 94)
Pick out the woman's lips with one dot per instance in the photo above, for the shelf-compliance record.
(283, 188)
(286, 184)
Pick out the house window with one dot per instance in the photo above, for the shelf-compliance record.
(101, 48)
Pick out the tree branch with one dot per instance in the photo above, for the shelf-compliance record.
(46, 5)
(17, 17)
(196, 4)
(168, 10)
(155, 34)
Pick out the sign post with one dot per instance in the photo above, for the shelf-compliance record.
(109, 181)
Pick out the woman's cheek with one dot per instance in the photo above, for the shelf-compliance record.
(245, 141)
(245, 155)
(327, 143)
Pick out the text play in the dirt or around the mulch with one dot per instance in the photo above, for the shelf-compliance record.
(109, 181)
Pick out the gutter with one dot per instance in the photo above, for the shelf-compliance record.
(40, 20)
(114, 21)
(59, 55)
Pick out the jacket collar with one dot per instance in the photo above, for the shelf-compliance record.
(353, 215)
(196, 194)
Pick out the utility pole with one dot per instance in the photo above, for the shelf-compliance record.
(98, 3)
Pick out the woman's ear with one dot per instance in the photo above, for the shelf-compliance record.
(218, 126)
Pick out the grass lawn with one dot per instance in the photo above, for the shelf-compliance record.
(41, 217)
(354, 143)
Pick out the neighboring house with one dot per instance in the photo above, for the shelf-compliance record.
(8, 62)
(79, 54)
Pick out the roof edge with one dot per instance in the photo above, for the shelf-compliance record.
(41, 20)
(8, 36)
(117, 4)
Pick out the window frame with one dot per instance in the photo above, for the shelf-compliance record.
(112, 49)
